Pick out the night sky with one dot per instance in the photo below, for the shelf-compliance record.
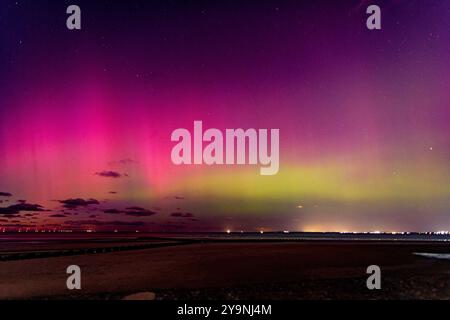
(86, 115)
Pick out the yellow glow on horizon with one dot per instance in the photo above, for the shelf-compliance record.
(333, 181)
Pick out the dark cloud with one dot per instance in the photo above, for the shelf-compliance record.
(110, 174)
(57, 215)
(13, 215)
(17, 208)
(132, 211)
(17, 224)
(126, 161)
(78, 202)
(140, 213)
(113, 211)
(179, 198)
(5, 194)
(182, 215)
(135, 208)
(113, 192)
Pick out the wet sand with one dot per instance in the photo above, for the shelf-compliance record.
(234, 270)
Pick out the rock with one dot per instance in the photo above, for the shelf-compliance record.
(141, 296)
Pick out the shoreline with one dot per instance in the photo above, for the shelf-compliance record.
(249, 270)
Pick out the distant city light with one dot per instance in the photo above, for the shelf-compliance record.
(228, 231)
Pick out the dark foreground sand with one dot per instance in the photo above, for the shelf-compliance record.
(266, 270)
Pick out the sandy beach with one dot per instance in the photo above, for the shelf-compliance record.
(234, 270)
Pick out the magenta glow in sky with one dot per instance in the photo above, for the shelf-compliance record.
(86, 116)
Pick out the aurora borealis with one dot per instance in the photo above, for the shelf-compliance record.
(86, 115)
